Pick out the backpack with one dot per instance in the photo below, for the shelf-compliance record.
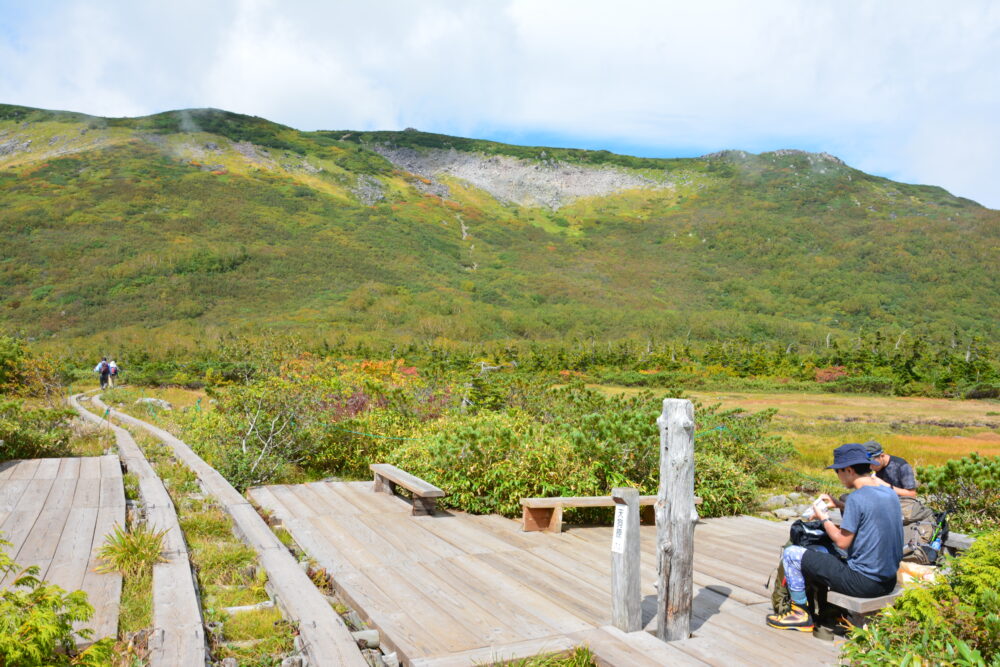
(104, 367)
(922, 540)
(808, 534)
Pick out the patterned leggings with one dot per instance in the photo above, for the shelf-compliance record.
(792, 558)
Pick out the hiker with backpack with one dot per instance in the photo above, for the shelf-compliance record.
(893, 470)
(104, 370)
(871, 533)
(113, 374)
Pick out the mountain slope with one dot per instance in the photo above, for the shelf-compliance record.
(202, 219)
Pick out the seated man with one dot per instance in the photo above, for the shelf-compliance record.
(892, 470)
(871, 533)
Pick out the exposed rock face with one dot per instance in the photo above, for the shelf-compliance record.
(511, 180)
(368, 189)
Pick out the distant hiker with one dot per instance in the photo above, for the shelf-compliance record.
(893, 470)
(113, 373)
(104, 369)
(871, 533)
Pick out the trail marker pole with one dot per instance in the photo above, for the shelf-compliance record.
(675, 519)
(626, 596)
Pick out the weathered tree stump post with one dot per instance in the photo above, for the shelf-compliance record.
(675, 519)
(626, 596)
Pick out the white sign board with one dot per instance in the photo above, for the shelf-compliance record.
(618, 536)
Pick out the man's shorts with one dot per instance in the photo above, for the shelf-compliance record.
(833, 573)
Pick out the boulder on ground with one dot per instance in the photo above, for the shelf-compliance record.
(158, 402)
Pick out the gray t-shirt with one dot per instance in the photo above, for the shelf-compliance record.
(873, 514)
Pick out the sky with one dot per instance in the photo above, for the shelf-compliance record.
(909, 89)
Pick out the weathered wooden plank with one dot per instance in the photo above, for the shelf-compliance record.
(362, 545)
(579, 597)
(419, 538)
(178, 636)
(610, 649)
(111, 467)
(317, 502)
(10, 493)
(863, 605)
(488, 655)
(417, 486)
(40, 544)
(103, 590)
(295, 506)
(7, 469)
(47, 468)
(21, 520)
(90, 467)
(370, 502)
(249, 527)
(264, 496)
(959, 541)
(337, 503)
(508, 530)
(25, 469)
(72, 555)
(661, 652)
(482, 625)
(463, 536)
(88, 490)
(520, 592)
(69, 468)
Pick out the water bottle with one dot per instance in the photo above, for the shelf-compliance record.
(817, 505)
(936, 544)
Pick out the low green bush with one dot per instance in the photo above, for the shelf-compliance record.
(37, 621)
(953, 622)
(28, 433)
(968, 489)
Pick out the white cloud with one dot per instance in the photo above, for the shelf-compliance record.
(905, 89)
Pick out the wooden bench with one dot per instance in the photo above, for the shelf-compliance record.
(425, 495)
(863, 606)
(545, 514)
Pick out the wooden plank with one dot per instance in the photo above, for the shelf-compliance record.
(178, 636)
(103, 590)
(295, 506)
(416, 485)
(90, 467)
(249, 527)
(40, 544)
(10, 493)
(370, 502)
(7, 469)
(959, 541)
(446, 633)
(264, 496)
(478, 620)
(463, 536)
(488, 655)
(507, 530)
(337, 503)
(486, 594)
(88, 492)
(398, 630)
(662, 652)
(580, 501)
(363, 545)
(72, 555)
(21, 520)
(318, 545)
(863, 605)
(47, 469)
(612, 650)
(311, 498)
(111, 467)
(579, 597)
(517, 592)
(112, 492)
(25, 469)
(69, 468)
(419, 538)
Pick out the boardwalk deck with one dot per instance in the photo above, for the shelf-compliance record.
(455, 589)
(56, 513)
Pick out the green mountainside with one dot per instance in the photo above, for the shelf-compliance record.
(192, 222)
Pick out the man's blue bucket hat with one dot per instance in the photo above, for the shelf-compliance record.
(848, 455)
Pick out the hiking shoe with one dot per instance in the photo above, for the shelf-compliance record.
(796, 619)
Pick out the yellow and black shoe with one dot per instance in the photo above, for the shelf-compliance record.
(796, 619)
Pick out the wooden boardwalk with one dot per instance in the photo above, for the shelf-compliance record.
(456, 589)
(56, 512)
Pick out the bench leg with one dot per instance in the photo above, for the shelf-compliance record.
(547, 519)
(382, 485)
(424, 506)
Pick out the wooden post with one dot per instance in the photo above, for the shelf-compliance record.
(675, 519)
(626, 596)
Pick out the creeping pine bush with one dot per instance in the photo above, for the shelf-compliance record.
(954, 622)
(27, 433)
(968, 489)
(36, 621)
